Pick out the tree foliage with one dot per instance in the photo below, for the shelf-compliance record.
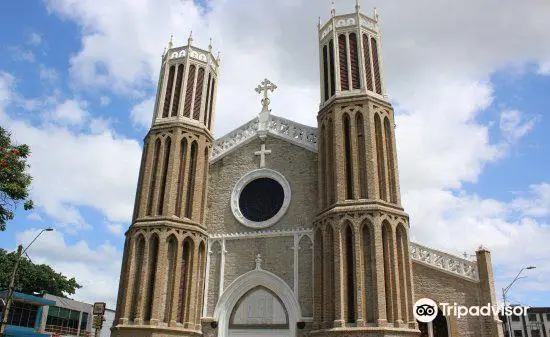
(14, 180)
(34, 278)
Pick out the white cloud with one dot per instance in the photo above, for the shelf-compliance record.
(70, 112)
(104, 100)
(71, 169)
(48, 74)
(96, 269)
(34, 39)
(20, 54)
(35, 217)
(100, 125)
(116, 229)
(536, 203)
(513, 125)
(142, 113)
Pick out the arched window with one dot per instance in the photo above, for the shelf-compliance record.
(391, 167)
(198, 94)
(376, 66)
(318, 280)
(380, 158)
(153, 183)
(191, 181)
(201, 259)
(168, 94)
(330, 276)
(211, 103)
(343, 54)
(368, 70)
(331, 164)
(356, 84)
(152, 272)
(170, 276)
(322, 173)
(185, 279)
(332, 68)
(369, 265)
(181, 176)
(348, 157)
(204, 180)
(162, 191)
(207, 100)
(350, 277)
(325, 72)
(388, 270)
(362, 156)
(189, 91)
(139, 249)
(177, 92)
(403, 267)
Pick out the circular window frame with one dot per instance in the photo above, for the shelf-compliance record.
(244, 181)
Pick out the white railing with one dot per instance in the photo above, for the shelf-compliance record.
(445, 261)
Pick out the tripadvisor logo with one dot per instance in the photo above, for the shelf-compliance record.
(425, 310)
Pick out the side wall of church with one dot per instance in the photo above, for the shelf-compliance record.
(444, 288)
(299, 167)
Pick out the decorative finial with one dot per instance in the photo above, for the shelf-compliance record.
(218, 58)
(258, 261)
(190, 39)
(319, 25)
(333, 10)
(164, 52)
(210, 46)
(171, 43)
(376, 16)
(264, 88)
(357, 6)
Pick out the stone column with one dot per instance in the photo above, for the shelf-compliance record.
(141, 301)
(159, 292)
(339, 320)
(177, 284)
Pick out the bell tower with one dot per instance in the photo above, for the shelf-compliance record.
(363, 276)
(163, 267)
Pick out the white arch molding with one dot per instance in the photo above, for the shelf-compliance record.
(248, 281)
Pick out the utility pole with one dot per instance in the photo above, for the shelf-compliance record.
(10, 292)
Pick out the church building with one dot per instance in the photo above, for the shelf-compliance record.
(282, 229)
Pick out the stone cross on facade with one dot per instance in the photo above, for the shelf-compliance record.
(262, 154)
(264, 88)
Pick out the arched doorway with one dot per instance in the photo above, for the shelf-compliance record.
(257, 296)
(437, 328)
(259, 313)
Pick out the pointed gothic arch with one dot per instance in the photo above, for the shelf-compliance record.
(198, 94)
(181, 177)
(151, 275)
(348, 153)
(191, 180)
(350, 314)
(243, 284)
(354, 61)
(369, 271)
(177, 90)
(368, 65)
(343, 55)
(189, 91)
(391, 162)
(170, 286)
(153, 180)
(168, 93)
(188, 248)
(381, 165)
(139, 249)
(164, 176)
(318, 270)
(362, 156)
(389, 282)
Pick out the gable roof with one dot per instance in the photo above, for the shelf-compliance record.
(282, 128)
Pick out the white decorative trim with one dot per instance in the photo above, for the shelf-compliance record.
(298, 134)
(241, 285)
(247, 178)
(444, 261)
(262, 234)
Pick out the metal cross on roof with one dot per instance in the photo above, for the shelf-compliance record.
(264, 88)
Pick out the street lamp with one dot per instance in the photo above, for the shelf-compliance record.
(20, 252)
(505, 291)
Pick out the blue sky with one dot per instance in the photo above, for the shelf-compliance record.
(77, 81)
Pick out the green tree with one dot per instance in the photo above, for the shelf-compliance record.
(34, 277)
(14, 180)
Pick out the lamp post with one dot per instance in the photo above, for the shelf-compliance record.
(20, 252)
(505, 292)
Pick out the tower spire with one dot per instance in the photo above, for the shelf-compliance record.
(357, 6)
(332, 9)
(190, 39)
(171, 43)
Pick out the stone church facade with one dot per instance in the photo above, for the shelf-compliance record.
(281, 229)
